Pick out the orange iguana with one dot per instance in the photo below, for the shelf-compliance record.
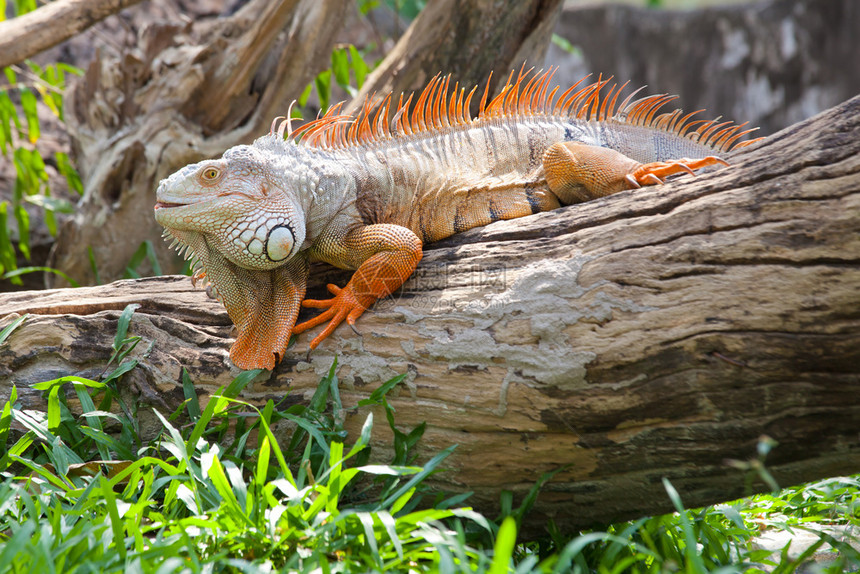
(367, 192)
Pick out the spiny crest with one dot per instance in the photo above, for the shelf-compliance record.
(198, 273)
(527, 96)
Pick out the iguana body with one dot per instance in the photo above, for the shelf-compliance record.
(362, 194)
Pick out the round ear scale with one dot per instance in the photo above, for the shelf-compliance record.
(279, 243)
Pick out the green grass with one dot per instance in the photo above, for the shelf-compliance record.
(221, 489)
(230, 487)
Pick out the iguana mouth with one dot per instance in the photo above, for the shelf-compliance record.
(165, 205)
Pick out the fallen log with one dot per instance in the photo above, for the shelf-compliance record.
(655, 333)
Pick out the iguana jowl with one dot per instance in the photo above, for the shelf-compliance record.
(367, 192)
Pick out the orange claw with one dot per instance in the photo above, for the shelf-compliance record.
(653, 173)
(344, 305)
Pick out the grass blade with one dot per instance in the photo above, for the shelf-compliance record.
(504, 547)
(7, 330)
(424, 473)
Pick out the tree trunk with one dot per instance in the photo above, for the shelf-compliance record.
(467, 39)
(654, 333)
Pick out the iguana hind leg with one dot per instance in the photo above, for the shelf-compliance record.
(385, 254)
(578, 172)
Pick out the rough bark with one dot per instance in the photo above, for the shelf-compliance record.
(649, 334)
(31, 33)
(467, 39)
(189, 91)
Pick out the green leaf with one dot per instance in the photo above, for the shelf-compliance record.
(113, 513)
(12, 546)
(428, 469)
(375, 397)
(7, 250)
(504, 547)
(262, 461)
(19, 448)
(318, 401)
(11, 77)
(359, 66)
(153, 260)
(23, 219)
(6, 419)
(302, 101)
(122, 326)
(7, 330)
(273, 442)
(94, 421)
(24, 6)
(106, 442)
(7, 113)
(219, 479)
(365, 6)
(323, 86)
(565, 45)
(54, 408)
(694, 560)
(216, 404)
(192, 403)
(340, 66)
(67, 170)
(93, 267)
(51, 203)
(144, 251)
(46, 385)
(28, 106)
(38, 269)
(366, 521)
(238, 384)
(120, 371)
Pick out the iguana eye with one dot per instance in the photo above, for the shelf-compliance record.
(210, 173)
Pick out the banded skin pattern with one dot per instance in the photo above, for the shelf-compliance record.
(366, 192)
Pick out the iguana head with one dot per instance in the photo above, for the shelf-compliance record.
(245, 230)
(238, 204)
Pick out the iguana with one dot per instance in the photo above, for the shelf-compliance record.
(366, 192)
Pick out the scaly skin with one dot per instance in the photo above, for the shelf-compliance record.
(363, 195)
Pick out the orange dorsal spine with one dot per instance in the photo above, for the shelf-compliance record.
(527, 96)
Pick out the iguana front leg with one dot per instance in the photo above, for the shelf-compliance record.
(385, 256)
(577, 172)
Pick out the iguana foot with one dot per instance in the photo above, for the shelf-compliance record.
(654, 173)
(385, 254)
(578, 172)
(344, 305)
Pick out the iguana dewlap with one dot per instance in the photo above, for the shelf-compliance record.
(367, 192)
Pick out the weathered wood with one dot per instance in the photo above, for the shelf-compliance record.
(467, 39)
(27, 35)
(650, 334)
